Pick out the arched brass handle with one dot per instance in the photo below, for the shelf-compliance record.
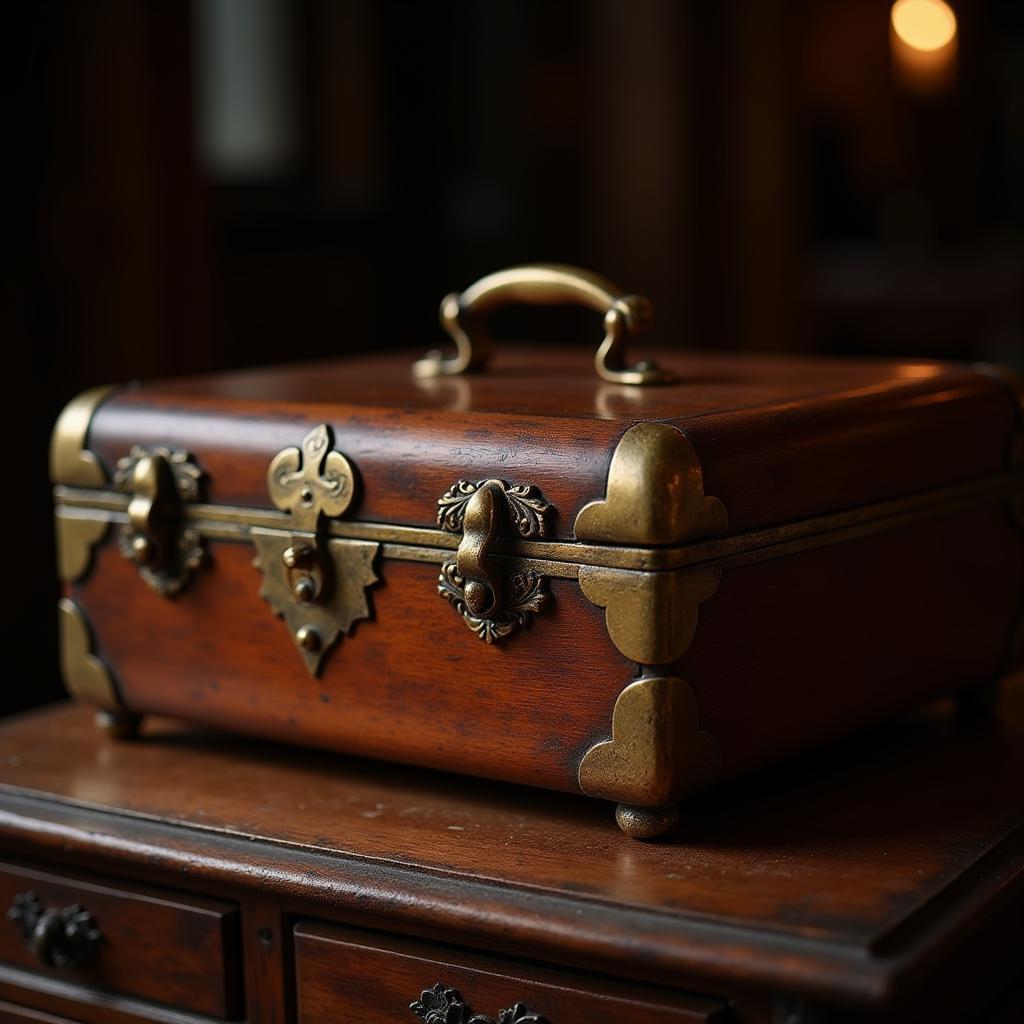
(544, 284)
(67, 937)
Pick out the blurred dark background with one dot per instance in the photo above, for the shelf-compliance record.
(228, 182)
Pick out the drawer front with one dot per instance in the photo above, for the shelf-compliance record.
(154, 945)
(347, 976)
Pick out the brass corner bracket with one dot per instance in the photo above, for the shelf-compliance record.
(651, 617)
(85, 675)
(492, 606)
(71, 463)
(654, 494)
(315, 583)
(657, 753)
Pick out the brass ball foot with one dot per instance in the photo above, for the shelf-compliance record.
(121, 725)
(646, 822)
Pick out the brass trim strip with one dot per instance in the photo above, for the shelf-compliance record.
(563, 558)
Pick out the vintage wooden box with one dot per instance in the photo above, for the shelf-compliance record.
(613, 582)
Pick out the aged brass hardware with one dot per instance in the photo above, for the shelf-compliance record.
(474, 581)
(315, 583)
(84, 674)
(442, 1004)
(71, 463)
(656, 754)
(650, 616)
(68, 937)
(164, 548)
(77, 537)
(544, 284)
(655, 493)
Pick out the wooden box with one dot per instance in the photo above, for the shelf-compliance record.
(632, 583)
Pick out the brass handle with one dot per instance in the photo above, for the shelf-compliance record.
(544, 284)
(59, 938)
(442, 1004)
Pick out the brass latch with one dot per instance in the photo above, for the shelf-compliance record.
(316, 583)
(491, 605)
(155, 538)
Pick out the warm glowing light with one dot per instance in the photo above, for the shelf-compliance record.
(924, 24)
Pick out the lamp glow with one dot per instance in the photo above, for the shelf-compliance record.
(926, 25)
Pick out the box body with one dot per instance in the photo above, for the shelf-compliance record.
(532, 575)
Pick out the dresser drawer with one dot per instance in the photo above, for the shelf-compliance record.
(348, 976)
(159, 946)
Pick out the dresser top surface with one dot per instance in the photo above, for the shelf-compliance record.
(861, 848)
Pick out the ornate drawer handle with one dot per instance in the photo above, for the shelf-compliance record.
(473, 581)
(59, 938)
(544, 284)
(443, 1005)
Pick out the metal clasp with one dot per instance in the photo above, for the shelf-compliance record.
(316, 583)
(155, 538)
(491, 605)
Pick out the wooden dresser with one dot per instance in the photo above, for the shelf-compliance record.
(191, 877)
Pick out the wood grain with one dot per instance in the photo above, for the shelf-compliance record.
(333, 965)
(778, 438)
(852, 877)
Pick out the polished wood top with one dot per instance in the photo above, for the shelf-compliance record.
(864, 860)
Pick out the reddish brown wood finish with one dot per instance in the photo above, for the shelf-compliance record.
(413, 684)
(347, 975)
(885, 876)
(779, 438)
(155, 945)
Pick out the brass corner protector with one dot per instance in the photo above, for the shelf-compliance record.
(71, 463)
(654, 494)
(651, 617)
(657, 751)
(85, 675)
(77, 536)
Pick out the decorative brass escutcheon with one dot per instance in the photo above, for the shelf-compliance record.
(163, 548)
(491, 606)
(317, 584)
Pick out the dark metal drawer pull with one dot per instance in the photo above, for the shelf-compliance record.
(60, 938)
(443, 1005)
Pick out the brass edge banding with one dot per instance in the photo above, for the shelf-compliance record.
(657, 752)
(85, 675)
(77, 536)
(227, 522)
(71, 463)
(654, 494)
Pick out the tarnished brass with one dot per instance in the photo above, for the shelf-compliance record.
(650, 616)
(646, 822)
(655, 493)
(77, 535)
(555, 557)
(441, 1004)
(71, 463)
(657, 751)
(473, 581)
(165, 549)
(84, 674)
(317, 584)
(544, 284)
